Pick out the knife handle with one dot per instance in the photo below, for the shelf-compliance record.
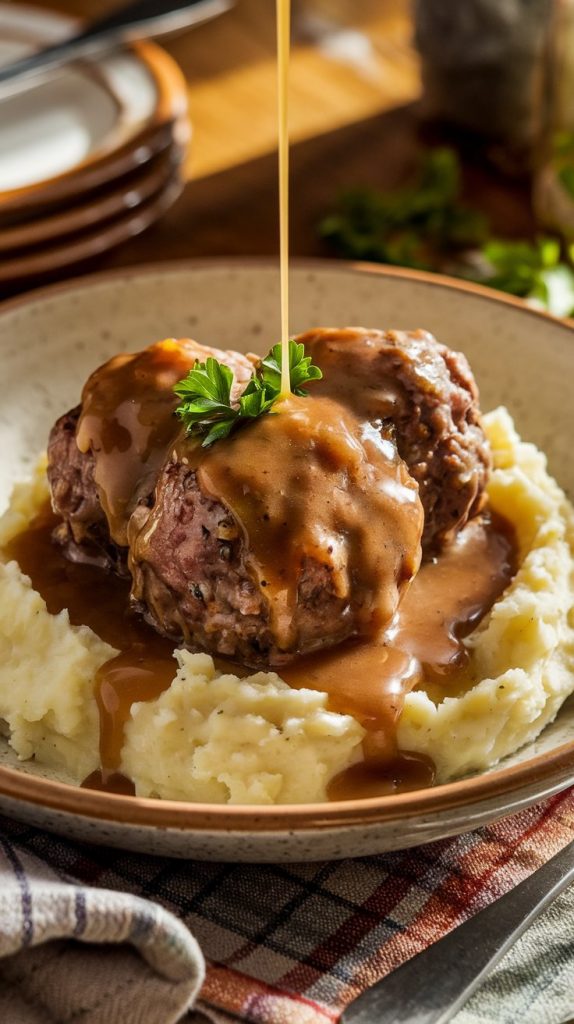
(432, 986)
(138, 20)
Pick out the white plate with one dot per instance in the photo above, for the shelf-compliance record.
(78, 119)
(51, 341)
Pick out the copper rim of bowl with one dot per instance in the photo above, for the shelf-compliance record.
(121, 197)
(99, 239)
(105, 165)
(552, 771)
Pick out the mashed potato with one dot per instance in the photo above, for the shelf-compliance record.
(224, 739)
(217, 738)
(47, 666)
(523, 652)
(209, 737)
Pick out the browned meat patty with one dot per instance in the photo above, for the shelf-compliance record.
(190, 574)
(76, 496)
(425, 396)
(192, 583)
(84, 533)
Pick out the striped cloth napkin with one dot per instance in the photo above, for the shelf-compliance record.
(90, 935)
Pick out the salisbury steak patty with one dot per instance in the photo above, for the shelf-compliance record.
(76, 487)
(425, 396)
(135, 501)
(190, 578)
(84, 533)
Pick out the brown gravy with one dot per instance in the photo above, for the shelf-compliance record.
(109, 782)
(368, 778)
(446, 601)
(128, 421)
(312, 481)
(100, 600)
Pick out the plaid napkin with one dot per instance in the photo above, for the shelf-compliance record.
(285, 944)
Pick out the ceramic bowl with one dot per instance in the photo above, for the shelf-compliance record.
(521, 358)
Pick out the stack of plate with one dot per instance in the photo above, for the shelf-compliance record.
(88, 158)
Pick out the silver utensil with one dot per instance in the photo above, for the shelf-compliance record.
(430, 988)
(138, 20)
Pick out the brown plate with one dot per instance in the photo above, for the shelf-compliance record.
(85, 245)
(121, 197)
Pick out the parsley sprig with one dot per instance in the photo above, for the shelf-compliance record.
(205, 405)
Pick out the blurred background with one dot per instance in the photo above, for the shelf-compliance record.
(430, 134)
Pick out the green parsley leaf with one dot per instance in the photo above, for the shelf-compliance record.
(205, 405)
(206, 398)
(256, 399)
(301, 371)
(218, 430)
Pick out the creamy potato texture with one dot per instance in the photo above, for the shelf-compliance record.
(209, 737)
(522, 654)
(214, 737)
(224, 739)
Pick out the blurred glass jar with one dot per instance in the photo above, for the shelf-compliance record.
(554, 177)
(484, 67)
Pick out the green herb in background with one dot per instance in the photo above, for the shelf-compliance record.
(412, 226)
(533, 271)
(427, 227)
(205, 405)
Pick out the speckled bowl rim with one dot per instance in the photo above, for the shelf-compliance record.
(553, 771)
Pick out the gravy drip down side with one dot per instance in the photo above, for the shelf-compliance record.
(145, 666)
(424, 396)
(447, 599)
(128, 424)
(313, 484)
(424, 645)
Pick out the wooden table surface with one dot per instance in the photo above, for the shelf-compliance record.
(354, 119)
